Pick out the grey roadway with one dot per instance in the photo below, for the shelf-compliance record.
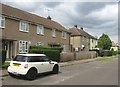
(91, 73)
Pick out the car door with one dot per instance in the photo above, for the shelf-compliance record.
(48, 66)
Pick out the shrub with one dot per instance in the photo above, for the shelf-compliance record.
(2, 56)
(47, 48)
(52, 54)
(118, 51)
(107, 53)
(114, 52)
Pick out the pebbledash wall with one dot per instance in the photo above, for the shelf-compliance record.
(21, 29)
(70, 56)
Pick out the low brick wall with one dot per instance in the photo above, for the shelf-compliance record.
(77, 56)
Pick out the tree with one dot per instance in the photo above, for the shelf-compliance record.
(104, 42)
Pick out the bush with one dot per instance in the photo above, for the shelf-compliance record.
(47, 48)
(107, 53)
(118, 51)
(2, 56)
(114, 52)
(52, 54)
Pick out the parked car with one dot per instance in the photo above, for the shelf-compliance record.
(99, 52)
(29, 65)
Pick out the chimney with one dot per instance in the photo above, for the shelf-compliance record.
(75, 26)
(49, 18)
(81, 28)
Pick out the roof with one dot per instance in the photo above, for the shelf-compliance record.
(23, 15)
(32, 54)
(80, 32)
(114, 44)
(74, 32)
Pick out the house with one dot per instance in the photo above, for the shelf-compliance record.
(114, 46)
(81, 40)
(21, 29)
(93, 42)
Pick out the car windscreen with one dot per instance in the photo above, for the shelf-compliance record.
(20, 58)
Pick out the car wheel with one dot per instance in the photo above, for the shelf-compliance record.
(55, 69)
(12, 75)
(31, 75)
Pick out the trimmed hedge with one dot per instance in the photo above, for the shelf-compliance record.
(52, 54)
(107, 53)
(2, 56)
(47, 48)
(114, 52)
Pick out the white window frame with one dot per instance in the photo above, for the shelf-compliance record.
(23, 46)
(23, 26)
(64, 35)
(2, 20)
(39, 44)
(53, 32)
(40, 29)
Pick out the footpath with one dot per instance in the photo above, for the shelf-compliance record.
(3, 72)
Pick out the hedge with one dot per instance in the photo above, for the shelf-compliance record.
(114, 52)
(2, 56)
(107, 53)
(52, 54)
(48, 48)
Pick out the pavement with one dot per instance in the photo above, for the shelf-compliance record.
(3, 72)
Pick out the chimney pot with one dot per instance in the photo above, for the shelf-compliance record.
(82, 28)
(49, 17)
(75, 26)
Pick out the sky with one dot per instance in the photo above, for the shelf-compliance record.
(95, 16)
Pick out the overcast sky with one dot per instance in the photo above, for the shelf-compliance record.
(96, 17)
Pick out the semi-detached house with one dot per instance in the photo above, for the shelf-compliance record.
(80, 40)
(21, 29)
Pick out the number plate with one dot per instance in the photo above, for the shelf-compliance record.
(17, 65)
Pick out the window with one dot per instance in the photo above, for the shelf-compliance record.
(64, 34)
(2, 22)
(24, 26)
(23, 46)
(53, 33)
(39, 44)
(40, 30)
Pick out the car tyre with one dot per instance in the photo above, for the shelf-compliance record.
(55, 69)
(12, 75)
(31, 75)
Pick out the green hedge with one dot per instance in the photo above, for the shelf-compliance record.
(118, 51)
(114, 52)
(2, 56)
(107, 53)
(47, 48)
(52, 54)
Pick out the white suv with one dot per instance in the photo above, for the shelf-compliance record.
(29, 65)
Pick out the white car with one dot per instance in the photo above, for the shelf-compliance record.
(29, 65)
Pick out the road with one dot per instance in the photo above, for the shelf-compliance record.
(91, 73)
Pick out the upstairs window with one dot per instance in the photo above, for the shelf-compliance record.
(53, 33)
(24, 26)
(2, 22)
(40, 30)
(64, 35)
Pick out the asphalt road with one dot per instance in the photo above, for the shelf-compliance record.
(91, 73)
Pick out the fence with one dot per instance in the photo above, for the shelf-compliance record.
(77, 56)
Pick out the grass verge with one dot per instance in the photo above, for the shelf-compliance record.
(104, 59)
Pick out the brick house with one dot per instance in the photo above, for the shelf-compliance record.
(81, 40)
(21, 29)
